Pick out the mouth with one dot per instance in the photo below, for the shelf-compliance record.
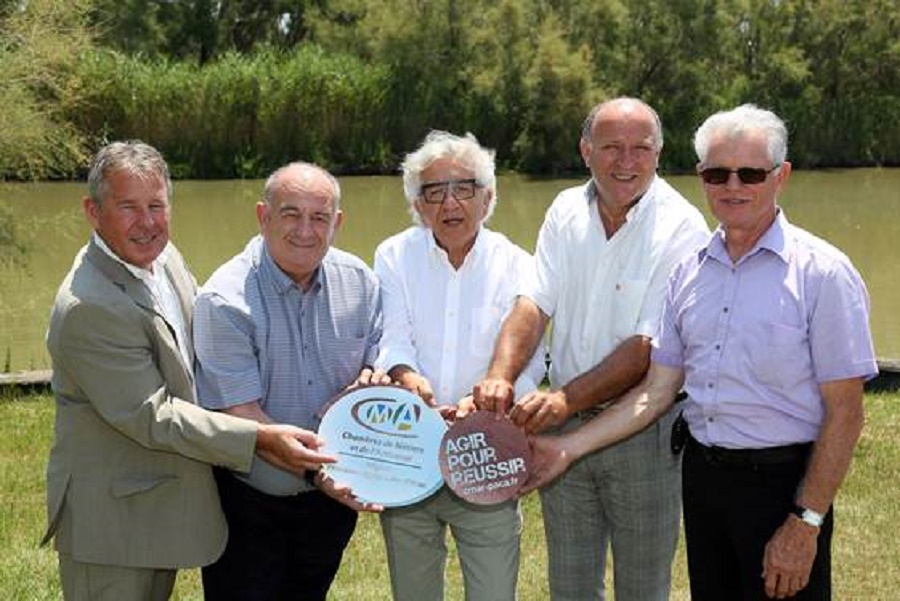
(733, 201)
(623, 177)
(143, 240)
(452, 221)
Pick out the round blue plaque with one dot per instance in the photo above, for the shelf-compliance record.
(386, 441)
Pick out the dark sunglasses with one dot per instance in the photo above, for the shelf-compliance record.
(717, 176)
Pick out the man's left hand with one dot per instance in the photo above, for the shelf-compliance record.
(789, 557)
(343, 494)
(550, 457)
(540, 410)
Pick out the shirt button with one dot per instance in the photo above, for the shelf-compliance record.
(718, 346)
(710, 385)
(309, 382)
(710, 419)
(725, 309)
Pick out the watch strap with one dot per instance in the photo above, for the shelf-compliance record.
(813, 518)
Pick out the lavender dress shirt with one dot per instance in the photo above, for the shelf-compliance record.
(757, 337)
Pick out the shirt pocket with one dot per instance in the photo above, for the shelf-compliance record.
(628, 298)
(780, 354)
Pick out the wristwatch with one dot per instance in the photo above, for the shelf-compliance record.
(813, 518)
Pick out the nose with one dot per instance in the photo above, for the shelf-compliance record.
(145, 217)
(450, 202)
(733, 182)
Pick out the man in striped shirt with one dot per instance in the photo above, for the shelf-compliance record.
(280, 329)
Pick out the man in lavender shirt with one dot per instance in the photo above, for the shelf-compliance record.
(766, 329)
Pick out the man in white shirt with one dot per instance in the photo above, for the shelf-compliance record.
(603, 258)
(447, 282)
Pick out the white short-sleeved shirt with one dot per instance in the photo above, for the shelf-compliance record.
(443, 322)
(600, 292)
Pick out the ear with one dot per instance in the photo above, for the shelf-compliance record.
(338, 219)
(783, 174)
(262, 214)
(91, 212)
(488, 199)
(418, 207)
(585, 147)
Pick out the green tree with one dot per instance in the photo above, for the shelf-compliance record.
(559, 96)
(37, 39)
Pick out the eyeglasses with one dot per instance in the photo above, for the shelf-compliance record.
(461, 189)
(717, 176)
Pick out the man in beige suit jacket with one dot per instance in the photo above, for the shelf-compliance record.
(130, 493)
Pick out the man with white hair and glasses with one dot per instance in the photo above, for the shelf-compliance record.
(766, 328)
(446, 284)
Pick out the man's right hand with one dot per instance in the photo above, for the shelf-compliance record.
(290, 448)
(414, 382)
(494, 394)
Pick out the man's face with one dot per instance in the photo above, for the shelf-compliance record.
(133, 218)
(299, 222)
(738, 206)
(622, 153)
(452, 211)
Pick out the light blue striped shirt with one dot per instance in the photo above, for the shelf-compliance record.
(258, 336)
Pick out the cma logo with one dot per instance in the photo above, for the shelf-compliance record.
(387, 416)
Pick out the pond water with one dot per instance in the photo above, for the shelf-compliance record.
(858, 210)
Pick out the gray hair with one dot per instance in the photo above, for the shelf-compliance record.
(132, 156)
(272, 183)
(589, 120)
(463, 149)
(741, 120)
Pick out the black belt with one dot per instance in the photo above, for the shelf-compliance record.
(721, 456)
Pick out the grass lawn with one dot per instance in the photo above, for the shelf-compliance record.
(866, 561)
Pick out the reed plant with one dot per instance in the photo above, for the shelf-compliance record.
(244, 115)
(866, 561)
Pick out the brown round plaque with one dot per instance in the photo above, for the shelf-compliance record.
(485, 460)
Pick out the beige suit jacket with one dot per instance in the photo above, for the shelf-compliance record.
(128, 480)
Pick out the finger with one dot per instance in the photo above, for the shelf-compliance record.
(427, 396)
(534, 482)
(314, 458)
(522, 412)
(539, 420)
(308, 438)
(365, 377)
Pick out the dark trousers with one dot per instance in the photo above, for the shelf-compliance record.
(730, 513)
(278, 548)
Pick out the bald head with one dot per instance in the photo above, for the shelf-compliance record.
(619, 108)
(300, 176)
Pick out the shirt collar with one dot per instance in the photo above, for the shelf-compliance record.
(138, 272)
(436, 253)
(773, 240)
(282, 282)
(638, 209)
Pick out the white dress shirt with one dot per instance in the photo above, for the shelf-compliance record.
(443, 322)
(600, 292)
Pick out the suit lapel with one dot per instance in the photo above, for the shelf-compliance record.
(138, 292)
